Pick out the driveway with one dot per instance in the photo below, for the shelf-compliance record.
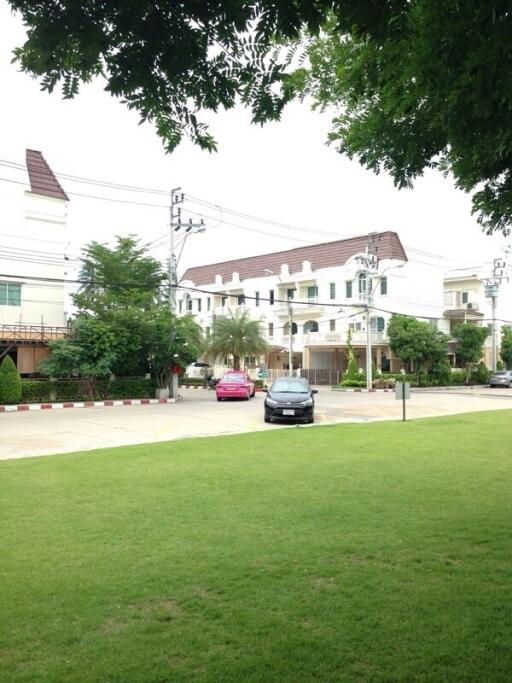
(26, 434)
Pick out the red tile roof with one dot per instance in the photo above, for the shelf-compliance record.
(42, 179)
(387, 245)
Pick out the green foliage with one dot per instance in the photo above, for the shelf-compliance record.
(10, 381)
(481, 374)
(355, 382)
(36, 391)
(441, 372)
(506, 346)
(419, 342)
(122, 284)
(236, 335)
(499, 365)
(470, 342)
(169, 60)
(193, 381)
(421, 85)
(171, 341)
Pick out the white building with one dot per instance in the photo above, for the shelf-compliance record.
(32, 229)
(326, 284)
(465, 300)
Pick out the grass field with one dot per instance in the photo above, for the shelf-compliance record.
(376, 552)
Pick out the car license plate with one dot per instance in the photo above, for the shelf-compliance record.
(288, 412)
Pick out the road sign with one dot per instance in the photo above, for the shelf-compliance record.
(402, 392)
(262, 374)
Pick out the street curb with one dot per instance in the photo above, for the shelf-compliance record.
(200, 386)
(85, 404)
(363, 391)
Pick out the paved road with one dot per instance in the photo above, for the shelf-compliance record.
(27, 434)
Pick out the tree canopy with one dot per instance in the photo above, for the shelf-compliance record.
(423, 84)
(506, 346)
(236, 335)
(418, 342)
(470, 344)
(417, 83)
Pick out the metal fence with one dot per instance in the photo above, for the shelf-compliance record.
(314, 376)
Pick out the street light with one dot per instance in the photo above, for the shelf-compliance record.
(290, 327)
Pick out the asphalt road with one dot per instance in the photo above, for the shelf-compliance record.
(26, 434)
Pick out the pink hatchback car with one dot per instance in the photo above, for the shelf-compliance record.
(235, 384)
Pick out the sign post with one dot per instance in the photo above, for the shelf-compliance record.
(402, 393)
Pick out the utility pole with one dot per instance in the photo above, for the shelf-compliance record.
(371, 263)
(492, 286)
(175, 224)
(290, 344)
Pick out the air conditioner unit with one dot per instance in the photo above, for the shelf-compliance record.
(472, 306)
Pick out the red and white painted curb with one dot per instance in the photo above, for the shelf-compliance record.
(85, 404)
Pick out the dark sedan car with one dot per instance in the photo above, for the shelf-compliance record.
(290, 399)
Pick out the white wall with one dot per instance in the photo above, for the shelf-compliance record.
(33, 239)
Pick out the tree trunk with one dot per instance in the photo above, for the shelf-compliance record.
(468, 372)
(236, 362)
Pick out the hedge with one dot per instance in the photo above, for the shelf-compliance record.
(10, 381)
(44, 391)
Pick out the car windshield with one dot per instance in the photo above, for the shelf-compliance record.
(233, 378)
(290, 386)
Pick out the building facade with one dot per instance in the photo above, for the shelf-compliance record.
(32, 264)
(467, 300)
(327, 287)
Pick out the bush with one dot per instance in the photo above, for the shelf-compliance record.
(36, 391)
(193, 381)
(499, 365)
(480, 374)
(353, 382)
(440, 373)
(10, 382)
(259, 383)
(458, 377)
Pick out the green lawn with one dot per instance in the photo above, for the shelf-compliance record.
(375, 552)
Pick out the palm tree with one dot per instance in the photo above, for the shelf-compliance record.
(236, 335)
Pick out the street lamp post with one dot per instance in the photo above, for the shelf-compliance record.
(290, 327)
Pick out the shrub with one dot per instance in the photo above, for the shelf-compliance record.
(36, 391)
(193, 381)
(10, 382)
(440, 373)
(259, 383)
(499, 365)
(480, 374)
(458, 377)
(352, 370)
(353, 382)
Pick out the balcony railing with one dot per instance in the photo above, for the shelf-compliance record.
(32, 333)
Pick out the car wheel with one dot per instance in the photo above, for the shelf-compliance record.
(253, 394)
(248, 396)
(219, 398)
(267, 419)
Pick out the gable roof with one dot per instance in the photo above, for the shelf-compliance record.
(42, 178)
(387, 245)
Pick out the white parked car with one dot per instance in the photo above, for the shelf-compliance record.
(197, 369)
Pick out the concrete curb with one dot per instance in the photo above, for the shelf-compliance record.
(363, 391)
(85, 404)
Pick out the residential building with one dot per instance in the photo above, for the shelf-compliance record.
(32, 229)
(465, 300)
(326, 285)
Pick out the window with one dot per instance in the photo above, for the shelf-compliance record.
(290, 293)
(223, 301)
(348, 289)
(180, 304)
(189, 304)
(355, 327)
(362, 283)
(241, 299)
(257, 298)
(271, 297)
(332, 325)
(332, 290)
(10, 294)
(208, 303)
(271, 329)
(465, 297)
(312, 292)
(199, 305)
(310, 326)
(250, 360)
(377, 324)
(383, 286)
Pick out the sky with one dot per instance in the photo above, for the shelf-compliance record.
(283, 172)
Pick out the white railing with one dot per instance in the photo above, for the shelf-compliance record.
(337, 339)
